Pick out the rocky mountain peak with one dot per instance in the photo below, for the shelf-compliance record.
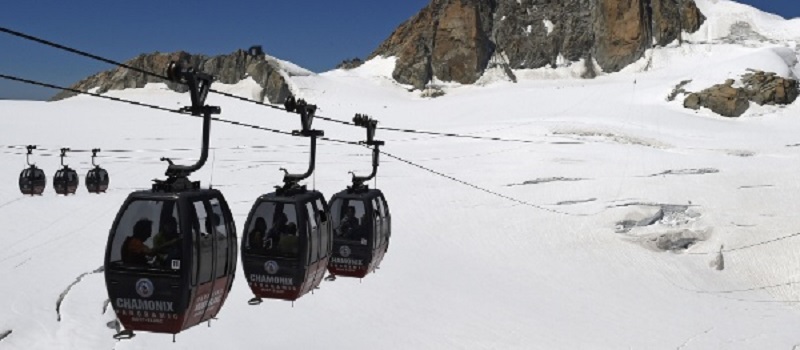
(228, 69)
(453, 40)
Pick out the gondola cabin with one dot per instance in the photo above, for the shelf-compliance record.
(361, 231)
(170, 259)
(286, 245)
(32, 180)
(287, 240)
(171, 254)
(97, 178)
(66, 180)
(360, 217)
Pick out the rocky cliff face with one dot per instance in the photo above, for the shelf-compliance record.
(447, 39)
(453, 40)
(228, 69)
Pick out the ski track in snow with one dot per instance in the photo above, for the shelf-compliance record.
(694, 337)
(64, 294)
(106, 304)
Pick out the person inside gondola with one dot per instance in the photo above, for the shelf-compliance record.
(349, 226)
(211, 224)
(288, 241)
(167, 242)
(273, 238)
(134, 250)
(256, 236)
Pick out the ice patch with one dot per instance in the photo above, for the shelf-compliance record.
(247, 88)
(580, 201)
(564, 70)
(548, 26)
(547, 180)
(663, 227)
(701, 171)
(607, 136)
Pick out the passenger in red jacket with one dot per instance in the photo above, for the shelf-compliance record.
(134, 250)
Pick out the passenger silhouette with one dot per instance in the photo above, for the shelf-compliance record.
(134, 251)
(348, 228)
(288, 243)
(273, 237)
(167, 241)
(257, 235)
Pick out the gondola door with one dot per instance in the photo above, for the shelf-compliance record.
(210, 230)
(318, 252)
(382, 227)
(386, 225)
(353, 237)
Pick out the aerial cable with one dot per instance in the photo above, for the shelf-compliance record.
(749, 245)
(140, 104)
(78, 52)
(722, 294)
(226, 94)
(435, 133)
(437, 173)
(440, 174)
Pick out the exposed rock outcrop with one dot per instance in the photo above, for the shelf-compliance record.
(228, 69)
(768, 88)
(759, 87)
(722, 99)
(453, 40)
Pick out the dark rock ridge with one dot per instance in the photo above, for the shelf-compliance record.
(758, 87)
(228, 69)
(350, 64)
(453, 40)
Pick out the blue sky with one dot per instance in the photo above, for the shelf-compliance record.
(312, 33)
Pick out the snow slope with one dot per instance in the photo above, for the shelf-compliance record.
(466, 269)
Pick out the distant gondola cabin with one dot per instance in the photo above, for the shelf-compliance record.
(32, 181)
(66, 181)
(361, 231)
(97, 180)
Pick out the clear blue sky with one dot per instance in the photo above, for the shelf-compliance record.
(315, 34)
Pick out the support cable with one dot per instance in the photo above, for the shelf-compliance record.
(432, 171)
(226, 94)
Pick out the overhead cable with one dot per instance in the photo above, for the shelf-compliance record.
(226, 94)
(437, 173)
